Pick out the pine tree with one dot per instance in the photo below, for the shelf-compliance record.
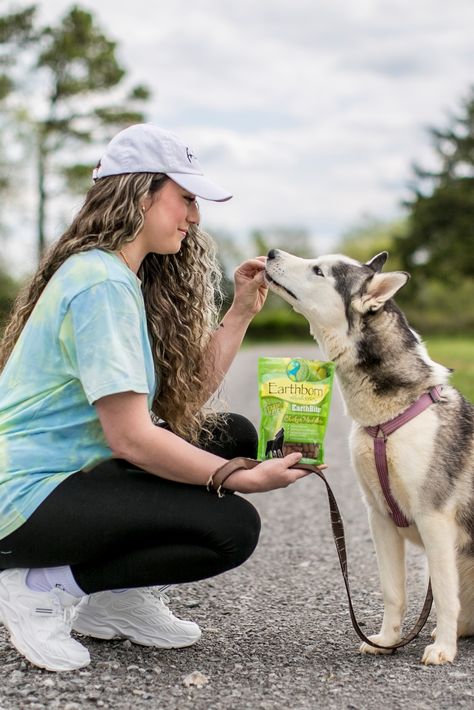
(16, 34)
(80, 74)
(440, 239)
(16, 31)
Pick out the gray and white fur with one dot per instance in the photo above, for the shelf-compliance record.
(382, 368)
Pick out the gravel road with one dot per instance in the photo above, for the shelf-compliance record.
(276, 631)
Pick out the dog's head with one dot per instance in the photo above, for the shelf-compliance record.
(333, 289)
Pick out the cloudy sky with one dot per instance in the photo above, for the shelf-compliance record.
(310, 111)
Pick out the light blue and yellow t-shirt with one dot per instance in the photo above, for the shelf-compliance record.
(86, 338)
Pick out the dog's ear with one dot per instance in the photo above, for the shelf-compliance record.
(377, 261)
(379, 289)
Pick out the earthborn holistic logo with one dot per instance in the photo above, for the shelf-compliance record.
(297, 370)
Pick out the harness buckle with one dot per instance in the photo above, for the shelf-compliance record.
(436, 394)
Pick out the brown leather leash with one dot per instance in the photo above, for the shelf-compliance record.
(216, 483)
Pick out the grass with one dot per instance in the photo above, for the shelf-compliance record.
(457, 353)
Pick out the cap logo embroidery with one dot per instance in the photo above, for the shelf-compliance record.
(189, 155)
(95, 172)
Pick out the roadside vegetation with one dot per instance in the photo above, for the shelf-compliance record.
(458, 354)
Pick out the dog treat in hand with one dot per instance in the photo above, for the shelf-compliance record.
(295, 395)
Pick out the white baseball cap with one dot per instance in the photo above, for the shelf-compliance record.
(145, 148)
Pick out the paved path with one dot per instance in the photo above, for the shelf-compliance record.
(276, 631)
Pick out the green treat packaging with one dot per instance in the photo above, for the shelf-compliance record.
(295, 396)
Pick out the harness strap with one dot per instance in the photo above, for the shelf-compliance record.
(381, 432)
(380, 453)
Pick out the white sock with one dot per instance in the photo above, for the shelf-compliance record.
(159, 589)
(44, 579)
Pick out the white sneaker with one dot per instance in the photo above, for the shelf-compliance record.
(40, 623)
(139, 615)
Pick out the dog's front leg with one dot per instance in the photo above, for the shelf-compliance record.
(390, 549)
(438, 533)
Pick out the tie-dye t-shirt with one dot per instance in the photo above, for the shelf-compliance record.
(86, 338)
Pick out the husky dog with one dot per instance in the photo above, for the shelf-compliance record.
(382, 369)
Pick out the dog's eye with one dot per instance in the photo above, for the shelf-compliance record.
(317, 271)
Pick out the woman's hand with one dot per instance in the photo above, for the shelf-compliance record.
(250, 290)
(268, 475)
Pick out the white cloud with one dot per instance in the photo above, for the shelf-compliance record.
(310, 111)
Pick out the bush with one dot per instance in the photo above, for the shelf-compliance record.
(437, 308)
(278, 325)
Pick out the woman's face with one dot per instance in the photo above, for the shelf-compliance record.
(168, 215)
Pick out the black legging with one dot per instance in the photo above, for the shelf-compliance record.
(118, 526)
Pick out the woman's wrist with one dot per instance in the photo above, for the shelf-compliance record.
(239, 481)
(225, 478)
(237, 317)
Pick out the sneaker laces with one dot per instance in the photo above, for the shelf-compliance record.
(160, 599)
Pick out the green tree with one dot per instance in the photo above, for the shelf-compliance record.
(81, 65)
(16, 31)
(370, 237)
(16, 34)
(83, 101)
(438, 244)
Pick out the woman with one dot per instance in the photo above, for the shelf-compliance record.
(108, 359)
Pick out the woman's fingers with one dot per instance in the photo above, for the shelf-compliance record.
(300, 473)
(250, 267)
(291, 459)
(269, 475)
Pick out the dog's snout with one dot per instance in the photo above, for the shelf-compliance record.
(272, 254)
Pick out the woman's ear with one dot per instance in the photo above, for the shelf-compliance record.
(380, 288)
(146, 202)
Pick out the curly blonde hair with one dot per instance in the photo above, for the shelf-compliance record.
(181, 292)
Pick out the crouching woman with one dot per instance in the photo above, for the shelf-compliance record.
(105, 443)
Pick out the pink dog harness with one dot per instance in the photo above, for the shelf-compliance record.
(380, 434)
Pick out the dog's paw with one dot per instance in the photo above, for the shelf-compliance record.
(377, 638)
(433, 634)
(436, 654)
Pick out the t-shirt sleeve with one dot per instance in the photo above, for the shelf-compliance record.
(102, 338)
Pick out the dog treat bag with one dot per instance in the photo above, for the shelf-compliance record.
(295, 395)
